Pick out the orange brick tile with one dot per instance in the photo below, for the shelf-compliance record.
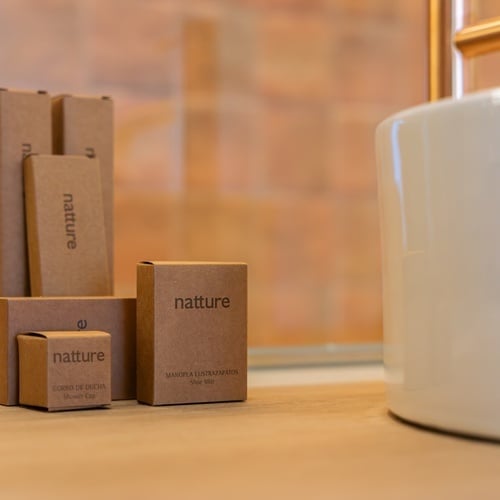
(41, 45)
(200, 56)
(148, 145)
(378, 62)
(234, 230)
(485, 73)
(286, 317)
(357, 242)
(351, 154)
(207, 9)
(147, 227)
(299, 308)
(381, 11)
(216, 228)
(133, 45)
(260, 310)
(357, 312)
(198, 215)
(200, 145)
(485, 9)
(293, 55)
(309, 5)
(236, 41)
(239, 155)
(296, 241)
(294, 147)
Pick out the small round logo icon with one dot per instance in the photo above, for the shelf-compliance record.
(81, 324)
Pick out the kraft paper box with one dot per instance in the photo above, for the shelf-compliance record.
(191, 332)
(65, 225)
(25, 128)
(108, 314)
(84, 126)
(65, 370)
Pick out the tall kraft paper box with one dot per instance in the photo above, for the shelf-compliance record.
(25, 128)
(84, 126)
(65, 225)
(191, 332)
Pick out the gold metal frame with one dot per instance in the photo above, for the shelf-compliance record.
(453, 42)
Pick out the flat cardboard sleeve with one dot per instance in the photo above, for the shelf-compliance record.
(109, 314)
(84, 126)
(25, 128)
(191, 332)
(61, 370)
(65, 226)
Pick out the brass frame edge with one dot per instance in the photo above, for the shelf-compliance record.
(439, 61)
(480, 38)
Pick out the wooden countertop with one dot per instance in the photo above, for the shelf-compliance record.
(311, 442)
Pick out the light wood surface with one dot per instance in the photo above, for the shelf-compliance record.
(313, 442)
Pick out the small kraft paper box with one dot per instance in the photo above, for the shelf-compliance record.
(65, 224)
(25, 128)
(65, 370)
(114, 315)
(84, 126)
(191, 332)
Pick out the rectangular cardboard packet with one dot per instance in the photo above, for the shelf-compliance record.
(65, 370)
(108, 314)
(191, 332)
(25, 128)
(65, 225)
(84, 126)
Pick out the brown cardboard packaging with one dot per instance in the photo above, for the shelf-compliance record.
(64, 370)
(65, 226)
(25, 127)
(191, 332)
(84, 126)
(108, 314)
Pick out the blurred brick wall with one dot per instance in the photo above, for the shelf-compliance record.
(244, 131)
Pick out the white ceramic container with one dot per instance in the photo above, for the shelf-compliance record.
(439, 192)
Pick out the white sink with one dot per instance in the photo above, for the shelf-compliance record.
(439, 191)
